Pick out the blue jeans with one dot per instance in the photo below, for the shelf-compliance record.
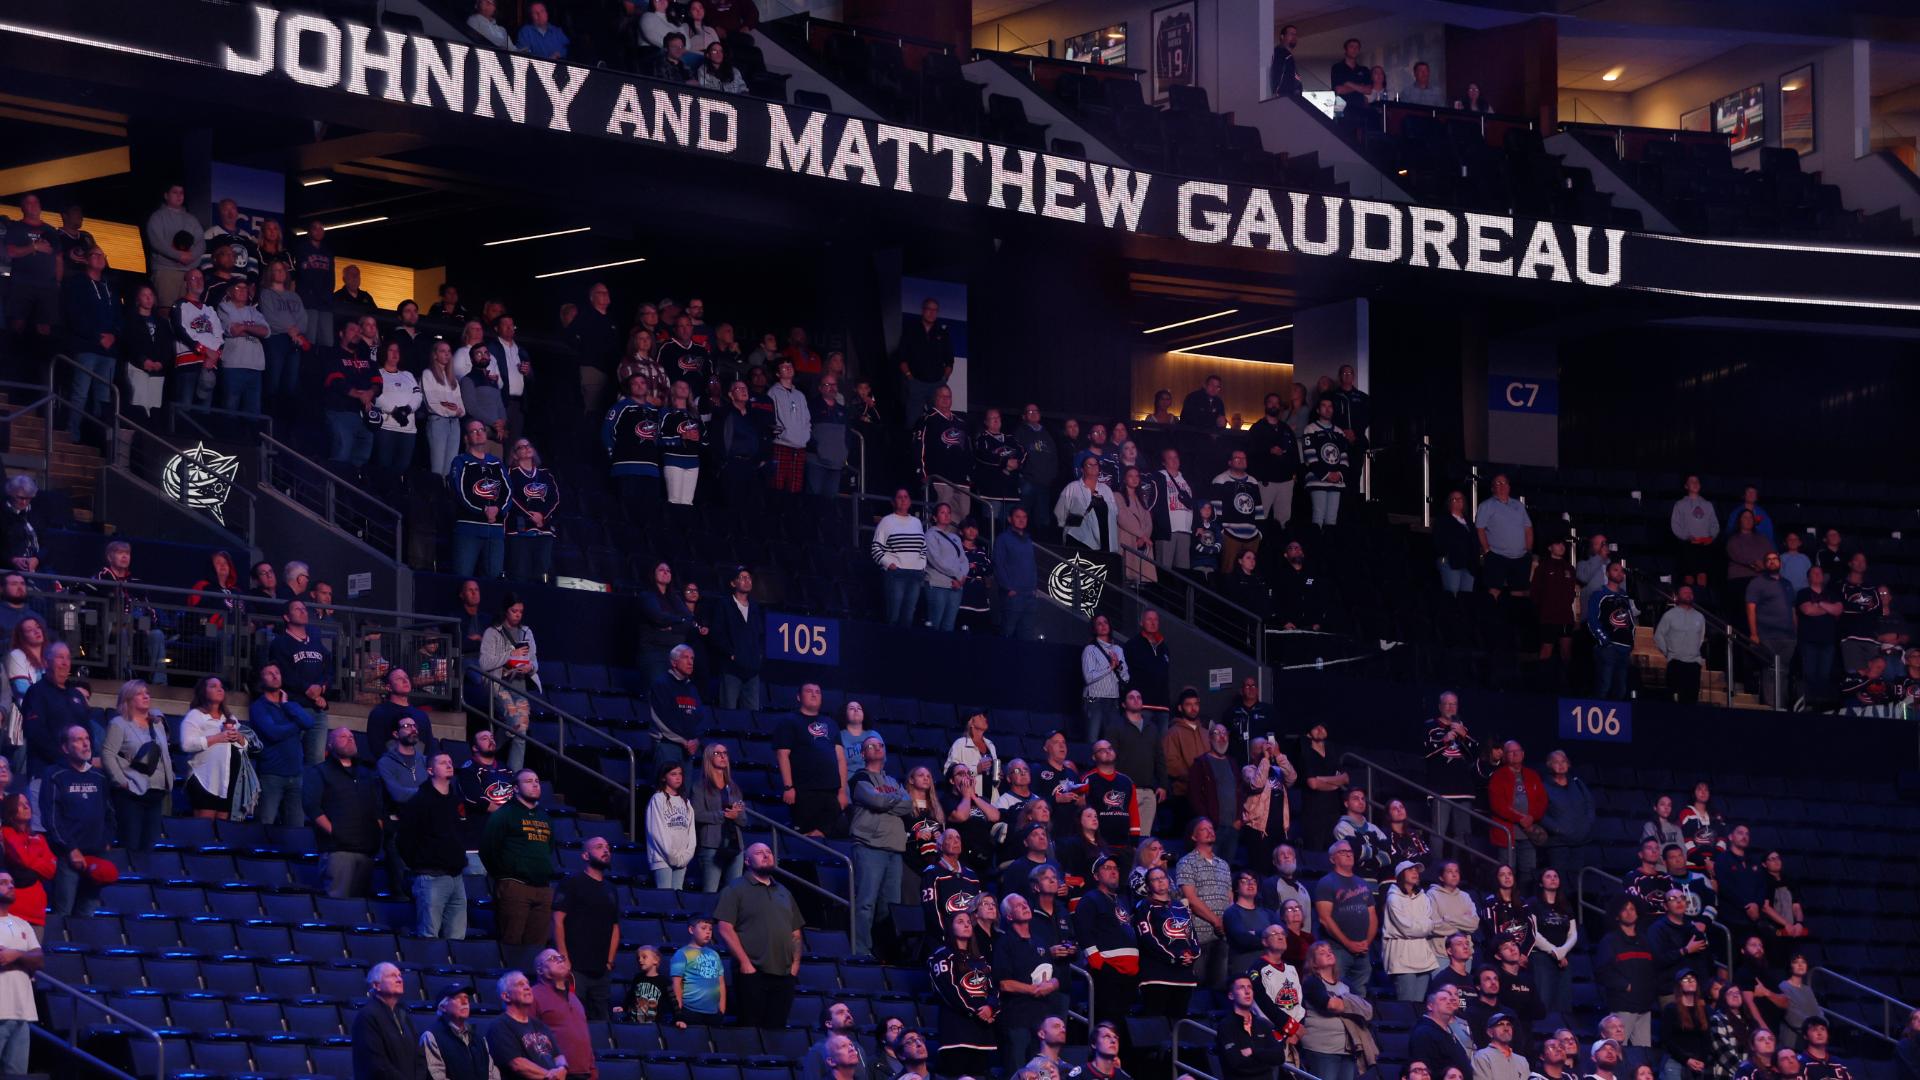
(1552, 982)
(1610, 671)
(822, 480)
(440, 900)
(1455, 581)
(280, 802)
(529, 556)
(183, 389)
(240, 390)
(392, 451)
(1816, 668)
(1016, 617)
(1038, 503)
(919, 395)
(72, 894)
(903, 594)
(1355, 970)
(1328, 1066)
(943, 607)
(137, 818)
(1099, 712)
(713, 871)
(16, 1038)
(876, 881)
(479, 549)
(443, 443)
(740, 692)
(670, 877)
(349, 439)
(283, 367)
(93, 386)
(1325, 503)
(1411, 986)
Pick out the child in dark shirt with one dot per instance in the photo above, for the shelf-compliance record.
(649, 1002)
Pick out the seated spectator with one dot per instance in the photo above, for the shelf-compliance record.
(519, 1043)
(656, 24)
(671, 63)
(718, 73)
(1473, 102)
(138, 760)
(19, 539)
(27, 858)
(481, 23)
(539, 37)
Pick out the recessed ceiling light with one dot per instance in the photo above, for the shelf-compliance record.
(1614, 75)
(1190, 322)
(315, 181)
(584, 269)
(1788, 88)
(1242, 337)
(351, 224)
(538, 236)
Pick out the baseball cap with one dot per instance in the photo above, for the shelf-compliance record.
(1497, 1019)
(1405, 865)
(1594, 1050)
(452, 989)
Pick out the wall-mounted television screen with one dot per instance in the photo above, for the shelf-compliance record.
(1742, 118)
(1106, 46)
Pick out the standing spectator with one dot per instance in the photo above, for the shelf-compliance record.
(1610, 618)
(1506, 539)
(243, 357)
(211, 733)
(881, 807)
(519, 1044)
(1236, 495)
(1327, 1044)
(1441, 1039)
(1555, 931)
(28, 860)
(283, 725)
(1273, 458)
(90, 311)
(974, 750)
(33, 294)
(813, 768)
(946, 571)
(286, 315)
(1320, 802)
(925, 358)
(761, 925)
(671, 833)
(969, 999)
(1409, 934)
(738, 643)
(1214, 788)
(1283, 74)
(1103, 671)
(1750, 503)
(385, 1046)
(1569, 817)
(900, 549)
(432, 845)
(1206, 887)
(699, 977)
(1171, 960)
(1628, 976)
(1818, 609)
(49, 706)
(1458, 542)
(1451, 751)
(142, 778)
(478, 481)
(510, 656)
(792, 429)
(1016, 577)
(384, 719)
(443, 407)
(532, 499)
(1139, 748)
(1747, 549)
(1086, 509)
(1517, 797)
(666, 623)
(586, 926)
(946, 453)
(20, 958)
(1695, 526)
(346, 803)
(1771, 627)
(306, 667)
(1204, 408)
(1184, 740)
(1148, 664)
(168, 259)
(1591, 572)
(1679, 636)
(80, 826)
(1454, 913)
(1794, 564)
(313, 281)
(1343, 909)
(1104, 929)
(517, 850)
(1039, 465)
(996, 466)
(679, 717)
(719, 808)
(1326, 455)
(199, 335)
(401, 405)
(828, 454)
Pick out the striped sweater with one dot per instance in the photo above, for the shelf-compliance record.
(900, 543)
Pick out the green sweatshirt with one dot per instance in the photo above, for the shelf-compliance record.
(518, 844)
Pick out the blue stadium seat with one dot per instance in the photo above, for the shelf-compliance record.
(117, 969)
(145, 1006)
(222, 1057)
(332, 1059)
(197, 1012)
(286, 980)
(256, 1015)
(127, 898)
(263, 939)
(227, 903)
(96, 931)
(311, 1019)
(319, 943)
(691, 1040)
(172, 974)
(189, 832)
(280, 1057)
(737, 1042)
(342, 983)
(147, 1060)
(626, 1070)
(208, 936)
(343, 911)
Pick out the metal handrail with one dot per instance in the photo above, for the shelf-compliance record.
(564, 717)
(174, 590)
(1373, 767)
(236, 490)
(48, 982)
(1580, 899)
(777, 830)
(1185, 1022)
(1087, 975)
(1887, 1002)
(1186, 607)
(1717, 625)
(331, 488)
(187, 413)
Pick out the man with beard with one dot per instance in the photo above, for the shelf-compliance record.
(1103, 925)
(761, 923)
(586, 925)
(485, 784)
(450, 1047)
(403, 768)
(20, 957)
(1276, 985)
(836, 1022)
(1285, 884)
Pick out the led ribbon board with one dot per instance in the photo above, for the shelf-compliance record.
(469, 85)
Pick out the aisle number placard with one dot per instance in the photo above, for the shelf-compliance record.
(804, 639)
(1596, 721)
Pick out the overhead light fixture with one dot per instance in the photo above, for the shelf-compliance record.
(1240, 337)
(1403, 172)
(315, 181)
(1614, 75)
(1230, 359)
(538, 236)
(350, 224)
(1190, 322)
(584, 269)
(1788, 88)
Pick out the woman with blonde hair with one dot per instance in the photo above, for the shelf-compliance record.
(134, 754)
(719, 817)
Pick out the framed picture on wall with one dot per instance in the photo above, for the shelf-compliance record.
(1796, 110)
(1174, 38)
(1700, 119)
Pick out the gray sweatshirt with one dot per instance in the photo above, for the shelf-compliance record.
(1680, 634)
(242, 352)
(881, 807)
(1693, 518)
(946, 559)
(285, 311)
(162, 224)
(1591, 573)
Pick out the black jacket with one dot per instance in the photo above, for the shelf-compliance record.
(1249, 1048)
(1624, 968)
(1138, 755)
(1150, 666)
(1265, 465)
(1438, 1048)
(1458, 542)
(432, 836)
(354, 801)
(928, 354)
(385, 1045)
(738, 644)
